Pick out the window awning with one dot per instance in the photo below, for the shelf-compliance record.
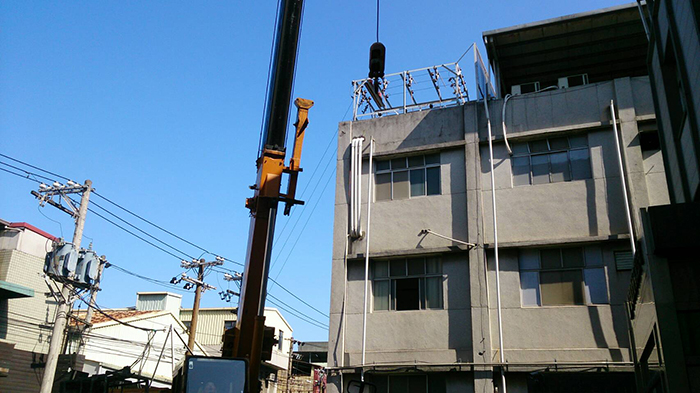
(9, 290)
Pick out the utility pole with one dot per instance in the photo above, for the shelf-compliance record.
(91, 306)
(292, 341)
(201, 287)
(64, 302)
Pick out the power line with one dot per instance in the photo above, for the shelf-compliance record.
(297, 315)
(299, 217)
(27, 172)
(142, 231)
(20, 175)
(304, 227)
(35, 167)
(133, 234)
(289, 292)
(153, 224)
(149, 279)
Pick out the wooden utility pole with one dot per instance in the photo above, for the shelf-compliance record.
(64, 302)
(201, 287)
(289, 367)
(195, 306)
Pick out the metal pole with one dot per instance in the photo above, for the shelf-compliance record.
(59, 325)
(623, 179)
(289, 367)
(172, 352)
(162, 350)
(404, 91)
(369, 205)
(495, 247)
(92, 304)
(195, 307)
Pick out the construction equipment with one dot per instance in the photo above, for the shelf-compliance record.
(246, 338)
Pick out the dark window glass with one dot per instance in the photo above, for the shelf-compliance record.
(381, 269)
(398, 267)
(572, 257)
(433, 180)
(550, 258)
(383, 165)
(559, 167)
(398, 163)
(539, 146)
(416, 266)
(417, 182)
(558, 143)
(519, 148)
(580, 164)
(415, 161)
(407, 294)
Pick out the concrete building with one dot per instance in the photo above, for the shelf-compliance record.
(563, 232)
(664, 300)
(26, 313)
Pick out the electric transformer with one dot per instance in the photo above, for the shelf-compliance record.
(61, 262)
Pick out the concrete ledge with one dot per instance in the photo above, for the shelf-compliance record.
(543, 242)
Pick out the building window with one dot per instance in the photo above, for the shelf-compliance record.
(410, 383)
(407, 177)
(280, 341)
(407, 284)
(562, 276)
(551, 160)
(229, 325)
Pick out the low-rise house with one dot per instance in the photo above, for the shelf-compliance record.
(26, 308)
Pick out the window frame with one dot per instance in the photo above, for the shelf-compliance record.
(407, 169)
(548, 154)
(422, 286)
(587, 297)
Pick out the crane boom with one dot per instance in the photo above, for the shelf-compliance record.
(247, 336)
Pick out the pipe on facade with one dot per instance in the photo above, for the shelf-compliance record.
(495, 243)
(369, 205)
(623, 178)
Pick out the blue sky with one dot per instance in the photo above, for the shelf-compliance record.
(160, 105)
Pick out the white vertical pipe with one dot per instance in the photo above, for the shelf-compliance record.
(369, 206)
(622, 177)
(353, 185)
(495, 247)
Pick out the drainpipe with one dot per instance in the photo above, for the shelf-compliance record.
(495, 247)
(369, 205)
(623, 179)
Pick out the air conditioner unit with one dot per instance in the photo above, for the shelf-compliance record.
(525, 88)
(573, 80)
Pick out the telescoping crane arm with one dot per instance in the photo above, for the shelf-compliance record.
(245, 340)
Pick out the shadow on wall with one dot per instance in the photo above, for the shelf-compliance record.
(599, 334)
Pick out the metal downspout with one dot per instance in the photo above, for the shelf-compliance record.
(495, 246)
(623, 179)
(369, 206)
